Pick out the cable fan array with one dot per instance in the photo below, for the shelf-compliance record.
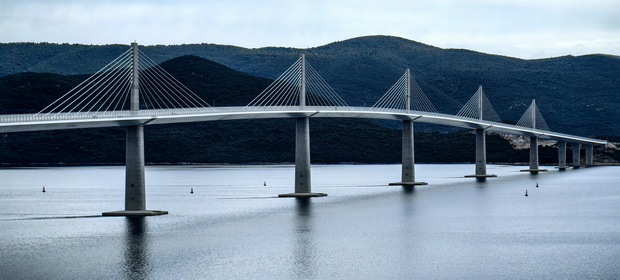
(109, 89)
(533, 118)
(396, 96)
(479, 107)
(287, 89)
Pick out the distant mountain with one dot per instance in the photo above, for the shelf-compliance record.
(578, 95)
(247, 141)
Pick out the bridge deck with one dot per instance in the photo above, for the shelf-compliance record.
(59, 121)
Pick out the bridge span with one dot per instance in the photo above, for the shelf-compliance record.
(300, 93)
(61, 121)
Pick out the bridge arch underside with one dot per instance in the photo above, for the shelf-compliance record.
(154, 117)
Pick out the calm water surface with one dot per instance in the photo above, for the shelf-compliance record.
(234, 227)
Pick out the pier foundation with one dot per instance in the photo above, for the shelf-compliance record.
(408, 158)
(576, 155)
(589, 155)
(561, 155)
(534, 168)
(135, 187)
(481, 156)
(303, 179)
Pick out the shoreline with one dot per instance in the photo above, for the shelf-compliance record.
(16, 165)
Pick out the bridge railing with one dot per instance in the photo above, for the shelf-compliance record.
(19, 118)
(429, 117)
(154, 113)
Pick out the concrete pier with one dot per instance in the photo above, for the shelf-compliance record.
(576, 155)
(135, 187)
(481, 156)
(303, 179)
(408, 157)
(534, 156)
(561, 155)
(589, 155)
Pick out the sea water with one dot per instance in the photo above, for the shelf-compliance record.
(235, 227)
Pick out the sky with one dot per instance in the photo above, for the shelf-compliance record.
(518, 28)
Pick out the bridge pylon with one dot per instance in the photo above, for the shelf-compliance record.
(533, 118)
(135, 186)
(408, 151)
(479, 107)
(303, 178)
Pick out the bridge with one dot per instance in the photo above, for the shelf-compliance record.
(132, 91)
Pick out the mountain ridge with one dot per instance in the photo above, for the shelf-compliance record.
(573, 92)
(237, 142)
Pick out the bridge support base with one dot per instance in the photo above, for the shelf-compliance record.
(589, 155)
(481, 157)
(481, 176)
(408, 159)
(302, 195)
(561, 155)
(135, 187)
(534, 171)
(533, 157)
(576, 155)
(303, 182)
(130, 213)
(408, 184)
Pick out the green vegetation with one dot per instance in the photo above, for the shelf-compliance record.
(247, 141)
(577, 95)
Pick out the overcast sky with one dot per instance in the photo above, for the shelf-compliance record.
(519, 28)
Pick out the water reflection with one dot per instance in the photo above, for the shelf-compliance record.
(136, 249)
(305, 251)
(408, 190)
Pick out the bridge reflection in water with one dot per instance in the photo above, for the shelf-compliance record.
(136, 253)
(304, 249)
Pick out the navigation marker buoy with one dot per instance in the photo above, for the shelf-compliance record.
(265, 183)
(537, 184)
(192, 190)
(43, 188)
(525, 192)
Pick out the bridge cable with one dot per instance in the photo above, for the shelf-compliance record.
(479, 107)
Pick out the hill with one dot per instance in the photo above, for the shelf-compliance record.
(577, 95)
(247, 141)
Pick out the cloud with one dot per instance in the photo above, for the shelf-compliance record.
(525, 28)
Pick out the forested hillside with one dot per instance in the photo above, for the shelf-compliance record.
(577, 95)
(249, 141)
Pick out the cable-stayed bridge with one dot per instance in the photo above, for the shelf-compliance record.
(132, 91)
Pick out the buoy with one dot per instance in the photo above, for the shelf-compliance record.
(265, 183)
(525, 192)
(537, 184)
(192, 190)
(43, 188)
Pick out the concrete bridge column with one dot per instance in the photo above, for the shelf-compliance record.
(481, 156)
(589, 155)
(303, 182)
(576, 155)
(562, 155)
(534, 156)
(135, 186)
(408, 157)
